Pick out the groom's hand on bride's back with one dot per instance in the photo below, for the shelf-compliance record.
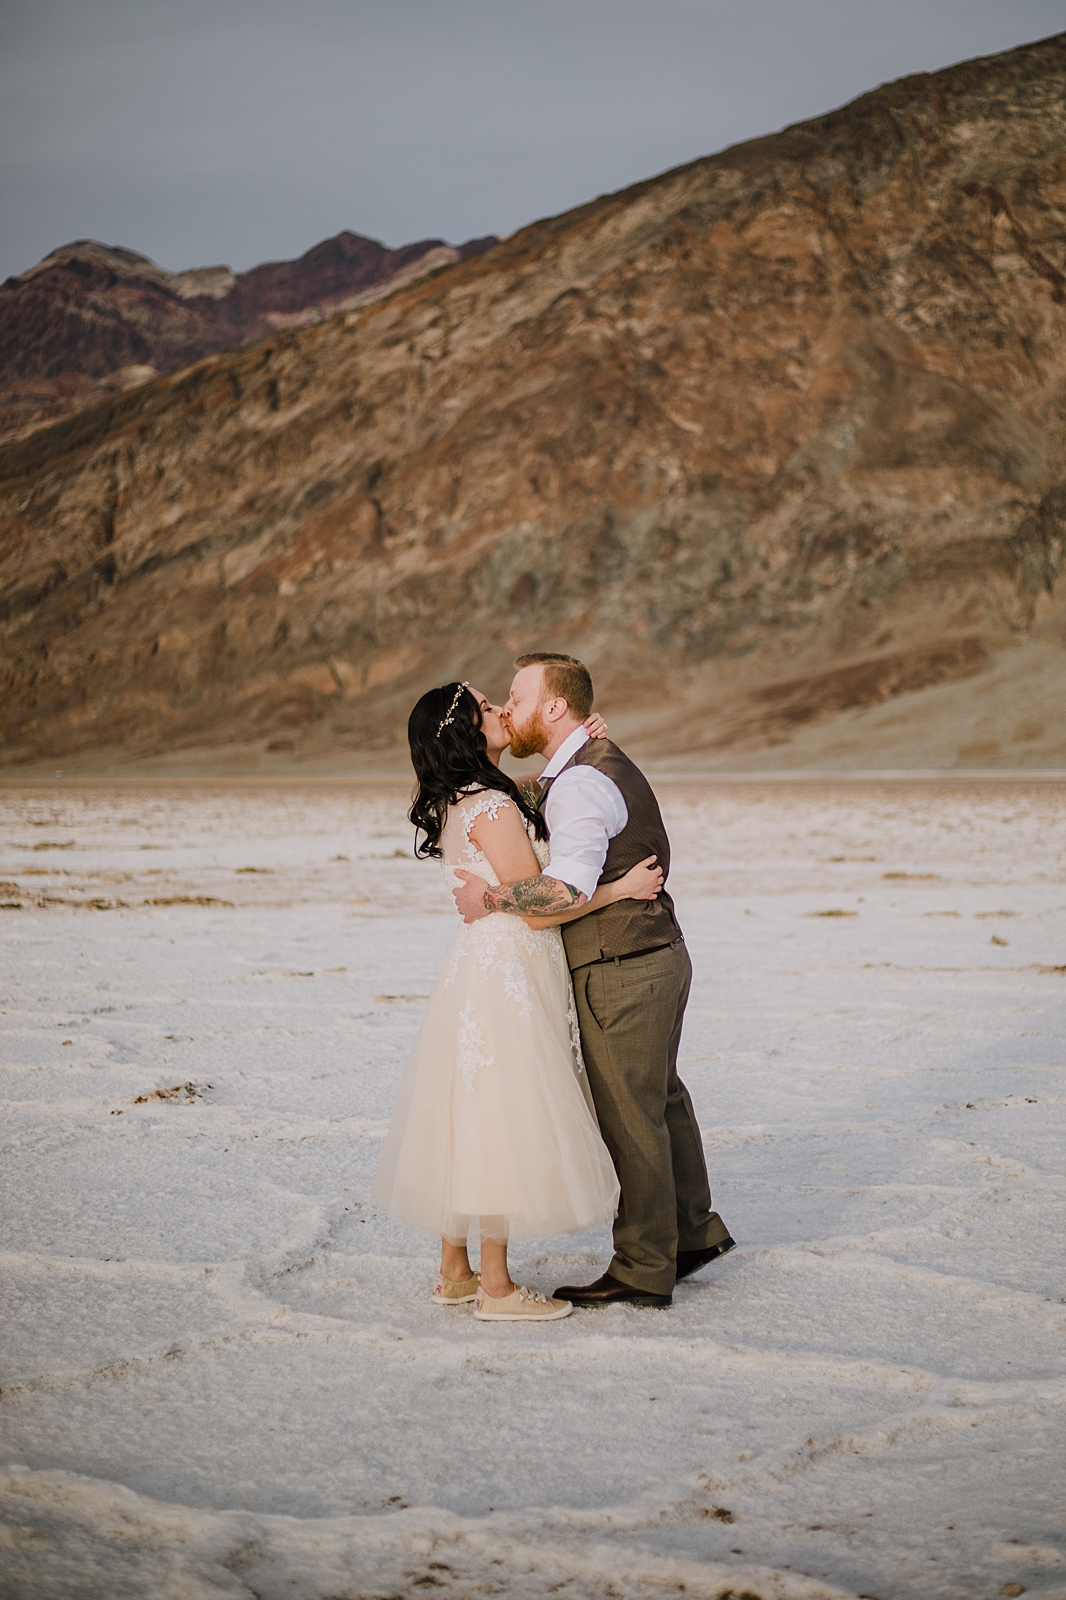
(470, 896)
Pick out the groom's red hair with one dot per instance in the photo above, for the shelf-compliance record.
(565, 677)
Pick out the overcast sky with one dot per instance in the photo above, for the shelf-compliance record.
(238, 131)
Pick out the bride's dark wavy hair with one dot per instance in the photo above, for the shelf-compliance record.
(449, 754)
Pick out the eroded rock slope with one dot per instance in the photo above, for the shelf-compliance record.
(770, 440)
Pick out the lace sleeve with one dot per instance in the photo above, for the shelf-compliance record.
(488, 803)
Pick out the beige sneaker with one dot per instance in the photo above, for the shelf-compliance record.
(448, 1293)
(521, 1305)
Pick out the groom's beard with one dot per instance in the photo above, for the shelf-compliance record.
(530, 739)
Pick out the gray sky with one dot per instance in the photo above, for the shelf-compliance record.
(202, 131)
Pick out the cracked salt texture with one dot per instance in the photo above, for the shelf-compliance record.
(221, 1371)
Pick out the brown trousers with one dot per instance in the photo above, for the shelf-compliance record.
(630, 1014)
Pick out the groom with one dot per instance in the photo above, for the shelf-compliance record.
(631, 976)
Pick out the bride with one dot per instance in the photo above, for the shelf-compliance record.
(494, 1135)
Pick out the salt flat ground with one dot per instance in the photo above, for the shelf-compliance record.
(222, 1375)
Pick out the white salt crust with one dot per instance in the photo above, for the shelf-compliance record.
(222, 1374)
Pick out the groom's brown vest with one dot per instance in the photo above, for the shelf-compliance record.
(628, 926)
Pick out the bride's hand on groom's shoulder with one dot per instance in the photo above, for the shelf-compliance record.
(470, 896)
(595, 726)
(641, 882)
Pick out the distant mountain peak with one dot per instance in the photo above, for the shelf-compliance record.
(93, 317)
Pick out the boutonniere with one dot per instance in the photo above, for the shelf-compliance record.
(530, 791)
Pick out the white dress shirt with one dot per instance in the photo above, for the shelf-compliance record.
(584, 811)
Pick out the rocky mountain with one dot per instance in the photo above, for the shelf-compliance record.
(775, 441)
(91, 319)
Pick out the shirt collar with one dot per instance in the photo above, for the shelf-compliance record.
(569, 747)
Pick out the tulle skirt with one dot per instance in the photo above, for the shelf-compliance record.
(494, 1132)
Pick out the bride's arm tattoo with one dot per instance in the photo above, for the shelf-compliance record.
(533, 897)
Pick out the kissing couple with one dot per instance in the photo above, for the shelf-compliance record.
(541, 1095)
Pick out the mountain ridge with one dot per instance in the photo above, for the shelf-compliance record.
(91, 318)
(773, 440)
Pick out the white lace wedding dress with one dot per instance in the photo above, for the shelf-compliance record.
(493, 1132)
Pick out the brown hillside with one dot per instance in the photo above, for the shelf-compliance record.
(775, 441)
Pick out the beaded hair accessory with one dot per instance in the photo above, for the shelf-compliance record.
(450, 718)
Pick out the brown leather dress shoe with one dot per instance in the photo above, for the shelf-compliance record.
(608, 1291)
(690, 1261)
